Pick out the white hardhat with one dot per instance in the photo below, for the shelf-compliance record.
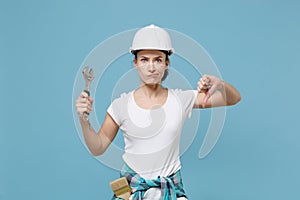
(152, 37)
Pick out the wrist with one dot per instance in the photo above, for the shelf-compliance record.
(221, 86)
(83, 120)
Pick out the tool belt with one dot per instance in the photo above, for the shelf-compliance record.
(171, 186)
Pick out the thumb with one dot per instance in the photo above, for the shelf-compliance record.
(208, 95)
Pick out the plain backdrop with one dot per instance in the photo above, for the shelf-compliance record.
(255, 45)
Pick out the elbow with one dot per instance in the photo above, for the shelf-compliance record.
(97, 153)
(96, 149)
(236, 100)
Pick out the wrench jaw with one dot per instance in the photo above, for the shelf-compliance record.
(88, 75)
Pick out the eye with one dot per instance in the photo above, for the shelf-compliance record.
(143, 60)
(158, 60)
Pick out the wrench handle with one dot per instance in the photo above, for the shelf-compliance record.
(86, 114)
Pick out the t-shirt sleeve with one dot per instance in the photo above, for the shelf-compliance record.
(113, 112)
(115, 109)
(187, 98)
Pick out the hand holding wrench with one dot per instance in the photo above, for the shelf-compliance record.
(88, 75)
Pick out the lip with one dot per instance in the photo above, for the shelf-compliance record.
(153, 75)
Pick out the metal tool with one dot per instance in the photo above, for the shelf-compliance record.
(88, 75)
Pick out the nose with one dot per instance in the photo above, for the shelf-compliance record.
(151, 67)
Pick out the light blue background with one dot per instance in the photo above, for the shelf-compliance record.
(255, 45)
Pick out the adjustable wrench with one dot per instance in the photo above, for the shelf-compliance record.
(88, 75)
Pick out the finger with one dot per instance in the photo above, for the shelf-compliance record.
(91, 100)
(88, 109)
(203, 81)
(212, 89)
(82, 110)
(206, 78)
(204, 102)
(203, 91)
(81, 106)
(82, 100)
(199, 82)
(209, 93)
(85, 105)
(206, 82)
(201, 88)
(84, 94)
(208, 86)
(204, 87)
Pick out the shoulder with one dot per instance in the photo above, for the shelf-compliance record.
(183, 93)
(185, 97)
(119, 102)
(116, 106)
(123, 97)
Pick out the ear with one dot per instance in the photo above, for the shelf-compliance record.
(167, 63)
(135, 63)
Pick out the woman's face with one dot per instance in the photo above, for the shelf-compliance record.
(151, 66)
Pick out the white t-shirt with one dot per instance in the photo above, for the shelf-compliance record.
(152, 136)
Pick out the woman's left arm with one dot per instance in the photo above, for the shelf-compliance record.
(213, 92)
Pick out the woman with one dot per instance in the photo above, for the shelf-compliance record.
(151, 118)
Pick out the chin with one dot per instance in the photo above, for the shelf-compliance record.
(152, 82)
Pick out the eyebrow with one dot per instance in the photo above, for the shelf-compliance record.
(154, 57)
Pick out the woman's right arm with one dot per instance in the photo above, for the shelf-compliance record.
(96, 142)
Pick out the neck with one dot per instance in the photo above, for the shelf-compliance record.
(150, 91)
